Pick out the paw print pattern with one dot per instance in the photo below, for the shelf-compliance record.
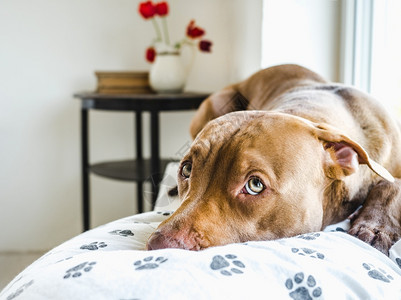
(79, 269)
(123, 233)
(149, 263)
(308, 252)
(94, 246)
(303, 290)
(378, 273)
(141, 222)
(398, 261)
(165, 213)
(309, 236)
(20, 290)
(64, 259)
(224, 264)
(338, 229)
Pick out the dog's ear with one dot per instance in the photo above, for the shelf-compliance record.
(343, 155)
(219, 103)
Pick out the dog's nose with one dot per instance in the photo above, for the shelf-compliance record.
(161, 241)
(157, 241)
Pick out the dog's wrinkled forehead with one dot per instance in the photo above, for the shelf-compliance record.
(220, 130)
(245, 128)
(223, 128)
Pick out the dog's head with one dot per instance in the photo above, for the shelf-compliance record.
(257, 176)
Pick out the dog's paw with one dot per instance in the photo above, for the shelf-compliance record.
(378, 221)
(378, 234)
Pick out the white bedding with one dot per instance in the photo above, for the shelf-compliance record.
(108, 262)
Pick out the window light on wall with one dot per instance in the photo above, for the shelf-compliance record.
(386, 54)
(371, 47)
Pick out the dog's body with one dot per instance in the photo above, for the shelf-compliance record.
(306, 153)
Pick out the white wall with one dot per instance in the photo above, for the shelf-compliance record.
(49, 50)
(305, 32)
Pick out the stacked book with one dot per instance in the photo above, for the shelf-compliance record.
(123, 82)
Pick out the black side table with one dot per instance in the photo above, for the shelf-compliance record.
(137, 170)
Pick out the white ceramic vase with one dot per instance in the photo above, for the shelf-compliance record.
(167, 74)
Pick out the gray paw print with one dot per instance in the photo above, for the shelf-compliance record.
(224, 264)
(308, 252)
(20, 290)
(123, 233)
(165, 213)
(149, 263)
(94, 246)
(304, 291)
(141, 222)
(338, 229)
(78, 269)
(309, 236)
(378, 273)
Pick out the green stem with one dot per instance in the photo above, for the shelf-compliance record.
(188, 42)
(157, 29)
(164, 22)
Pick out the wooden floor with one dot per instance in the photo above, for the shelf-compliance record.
(12, 263)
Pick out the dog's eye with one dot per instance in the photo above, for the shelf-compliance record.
(254, 186)
(186, 170)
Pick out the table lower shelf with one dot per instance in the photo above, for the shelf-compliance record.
(128, 170)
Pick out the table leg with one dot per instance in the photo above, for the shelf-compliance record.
(138, 130)
(85, 169)
(139, 157)
(155, 155)
(139, 194)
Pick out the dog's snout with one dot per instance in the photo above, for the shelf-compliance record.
(159, 240)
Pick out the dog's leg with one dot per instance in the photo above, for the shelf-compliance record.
(378, 222)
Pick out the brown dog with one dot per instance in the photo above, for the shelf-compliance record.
(306, 153)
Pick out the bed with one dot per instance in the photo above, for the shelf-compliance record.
(109, 262)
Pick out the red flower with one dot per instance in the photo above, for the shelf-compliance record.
(152, 10)
(147, 9)
(150, 54)
(194, 32)
(204, 45)
(161, 8)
